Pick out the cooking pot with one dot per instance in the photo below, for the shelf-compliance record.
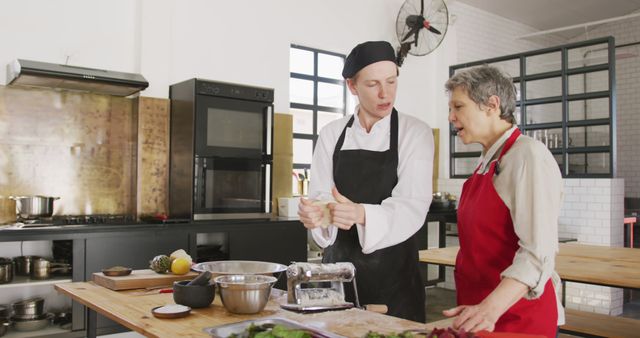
(7, 210)
(28, 309)
(34, 207)
(23, 264)
(6, 271)
(40, 268)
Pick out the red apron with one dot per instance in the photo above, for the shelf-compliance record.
(488, 243)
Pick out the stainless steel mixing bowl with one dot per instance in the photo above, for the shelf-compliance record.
(245, 294)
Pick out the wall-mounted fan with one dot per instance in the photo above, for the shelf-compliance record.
(420, 27)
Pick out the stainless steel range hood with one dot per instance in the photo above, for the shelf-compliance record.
(50, 75)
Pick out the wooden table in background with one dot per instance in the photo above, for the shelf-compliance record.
(591, 264)
(134, 312)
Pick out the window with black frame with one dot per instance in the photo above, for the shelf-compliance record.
(566, 100)
(317, 93)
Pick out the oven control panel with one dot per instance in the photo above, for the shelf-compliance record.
(235, 91)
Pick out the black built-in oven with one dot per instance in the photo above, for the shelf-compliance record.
(221, 150)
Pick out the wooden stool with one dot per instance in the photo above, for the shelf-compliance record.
(631, 221)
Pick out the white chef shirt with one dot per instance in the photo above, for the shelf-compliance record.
(402, 214)
(530, 185)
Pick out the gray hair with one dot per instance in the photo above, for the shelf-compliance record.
(484, 81)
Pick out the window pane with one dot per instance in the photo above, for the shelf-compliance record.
(330, 66)
(302, 121)
(330, 95)
(592, 163)
(543, 63)
(551, 138)
(511, 67)
(517, 85)
(559, 159)
(589, 82)
(302, 151)
(589, 55)
(301, 91)
(301, 61)
(465, 166)
(544, 88)
(461, 147)
(517, 115)
(325, 117)
(592, 136)
(589, 109)
(544, 113)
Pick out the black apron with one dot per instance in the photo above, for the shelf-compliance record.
(387, 276)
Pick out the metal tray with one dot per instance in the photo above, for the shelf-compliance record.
(226, 330)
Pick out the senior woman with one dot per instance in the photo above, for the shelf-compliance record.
(507, 214)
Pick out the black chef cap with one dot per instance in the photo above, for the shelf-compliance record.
(365, 54)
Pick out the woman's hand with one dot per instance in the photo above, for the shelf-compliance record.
(472, 318)
(483, 316)
(310, 215)
(344, 213)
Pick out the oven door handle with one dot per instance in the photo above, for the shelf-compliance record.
(203, 183)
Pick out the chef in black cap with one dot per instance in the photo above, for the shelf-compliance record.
(375, 168)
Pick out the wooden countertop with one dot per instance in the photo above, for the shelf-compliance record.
(134, 312)
(592, 264)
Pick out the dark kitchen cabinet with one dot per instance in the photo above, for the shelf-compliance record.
(280, 243)
(132, 249)
(97, 246)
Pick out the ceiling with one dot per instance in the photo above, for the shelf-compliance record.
(549, 14)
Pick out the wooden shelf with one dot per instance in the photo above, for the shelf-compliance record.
(20, 281)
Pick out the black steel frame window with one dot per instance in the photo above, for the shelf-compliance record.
(563, 124)
(315, 107)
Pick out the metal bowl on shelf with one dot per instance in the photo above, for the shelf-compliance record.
(33, 324)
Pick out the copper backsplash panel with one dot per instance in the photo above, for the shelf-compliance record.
(153, 155)
(78, 146)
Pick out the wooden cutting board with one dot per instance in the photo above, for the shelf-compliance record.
(140, 279)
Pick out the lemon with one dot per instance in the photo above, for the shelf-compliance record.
(180, 266)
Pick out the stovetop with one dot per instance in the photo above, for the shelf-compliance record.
(77, 220)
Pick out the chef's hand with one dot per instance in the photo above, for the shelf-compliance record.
(344, 213)
(310, 215)
(472, 318)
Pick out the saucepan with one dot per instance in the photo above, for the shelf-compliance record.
(34, 207)
(24, 264)
(6, 271)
